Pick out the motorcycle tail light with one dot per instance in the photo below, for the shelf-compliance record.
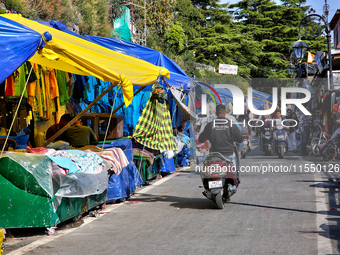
(215, 179)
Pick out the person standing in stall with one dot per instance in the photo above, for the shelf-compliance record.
(79, 136)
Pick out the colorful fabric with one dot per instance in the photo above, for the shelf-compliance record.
(148, 156)
(2, 237)
(20, 81)
(9, 86)
(154, 129)
(77, 161)
(114, 158)
(62, 85)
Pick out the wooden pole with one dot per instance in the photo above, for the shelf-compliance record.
(79, 115)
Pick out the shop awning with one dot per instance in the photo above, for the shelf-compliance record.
(178, 77)
(20, 37)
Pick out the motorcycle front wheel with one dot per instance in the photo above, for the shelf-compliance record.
(315, 147)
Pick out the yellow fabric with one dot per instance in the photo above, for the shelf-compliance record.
(81, 57)
(2, 237)
(310, 58)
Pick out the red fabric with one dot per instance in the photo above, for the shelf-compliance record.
(10, 86)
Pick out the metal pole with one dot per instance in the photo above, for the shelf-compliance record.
(330, 60)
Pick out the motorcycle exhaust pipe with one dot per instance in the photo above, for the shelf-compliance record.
(232, 190)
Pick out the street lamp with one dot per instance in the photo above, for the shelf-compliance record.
(291, 69)
(215, 61)
(300, 47)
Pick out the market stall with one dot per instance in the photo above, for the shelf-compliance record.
(37, 192)
(65, 54)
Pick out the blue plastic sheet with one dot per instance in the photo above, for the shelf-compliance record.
(124, 184)
(168, 166)
(178, 77)
(17, 45)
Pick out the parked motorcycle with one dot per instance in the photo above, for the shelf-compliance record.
(266, 140)
(318, 137)
(220, 178)
(280, 141)
(331, 149)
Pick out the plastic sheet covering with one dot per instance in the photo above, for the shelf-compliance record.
(123, 185)
(125, 145)
(178, 77)
(168, 165)
(81, 57)
(18, 44)
(52, 179)
(186, 114)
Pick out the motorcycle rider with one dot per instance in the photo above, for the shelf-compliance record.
(222, 135)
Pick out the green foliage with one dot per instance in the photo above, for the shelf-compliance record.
(275, 27)
(117, 9)
(175, 37)
(2, 11)
(91, 15)
(160, 15)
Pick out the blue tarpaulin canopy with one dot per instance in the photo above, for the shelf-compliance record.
(18, 44)
(178, 77)
(226, 95)
(262, 95)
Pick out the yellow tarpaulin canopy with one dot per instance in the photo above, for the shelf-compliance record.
(72, 54)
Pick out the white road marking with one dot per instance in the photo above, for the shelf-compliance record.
(324, 241)
(87, 220)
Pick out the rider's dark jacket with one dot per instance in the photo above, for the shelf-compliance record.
(221, 135)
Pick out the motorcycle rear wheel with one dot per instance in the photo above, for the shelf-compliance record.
(243, 154)
(219, 200)
(281, 153)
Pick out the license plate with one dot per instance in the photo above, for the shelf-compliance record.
(280, 137)
(215, 184)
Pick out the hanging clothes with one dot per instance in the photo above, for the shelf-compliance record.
(2, 88)
(154, 128)
(20, 81)
(79, 87)
(62, 85)
(10, 86)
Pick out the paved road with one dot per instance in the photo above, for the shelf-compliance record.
(271, 213)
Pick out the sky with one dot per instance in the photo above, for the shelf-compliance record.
(315, 4)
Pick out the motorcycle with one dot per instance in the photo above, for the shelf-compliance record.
(266, 140)
(220, 178)
(280, 141)
(330, 150)
(318, 138)
(246, 145)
